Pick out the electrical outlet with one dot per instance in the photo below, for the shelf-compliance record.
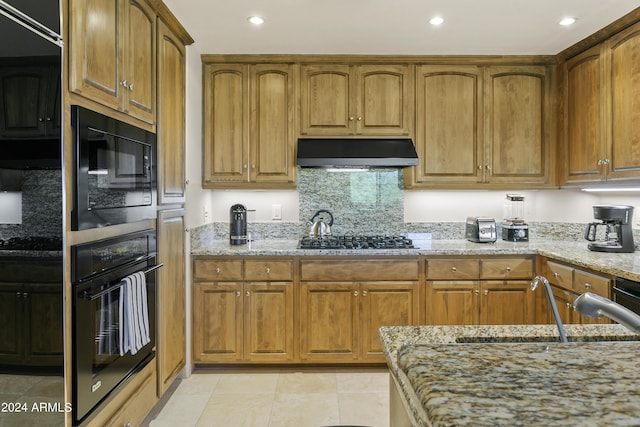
(205, 214)
(276, 211)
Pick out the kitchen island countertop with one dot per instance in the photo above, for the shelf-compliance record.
(519, 383)
(616, 264)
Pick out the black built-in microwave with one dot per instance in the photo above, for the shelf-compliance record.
(114, 171)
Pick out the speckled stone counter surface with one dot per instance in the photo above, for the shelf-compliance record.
(447, 378)
(623, 265)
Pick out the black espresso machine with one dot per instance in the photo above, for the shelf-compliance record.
(618, 231)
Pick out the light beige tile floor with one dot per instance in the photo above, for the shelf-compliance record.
(290, 397)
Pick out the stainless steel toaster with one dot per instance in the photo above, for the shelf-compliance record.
(480, 229)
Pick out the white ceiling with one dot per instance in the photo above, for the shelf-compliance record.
(471, 27)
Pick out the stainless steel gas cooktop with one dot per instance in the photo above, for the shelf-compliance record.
(356, 242)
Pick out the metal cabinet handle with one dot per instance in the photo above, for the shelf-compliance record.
(237, 293)
(364, 293)
(355, 293)
(247, 293)
(267, 270)
(19, 294)
(123, 83)
(359, 119)
(218, 270)
(351, 119)
(588, 286)
(486, 292)
(508, 269)
(556, 275)
(568, 305)
(477, 292)
(25, 295)
(131, 87)
(488, 167)
(453, 269)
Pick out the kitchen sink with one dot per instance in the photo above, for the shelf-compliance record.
(534, 339)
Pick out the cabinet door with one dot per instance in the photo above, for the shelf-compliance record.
(325, 100)
(384, 97)
(268, 321)
(171, 308)
(273, 133)
(140, 60)
(517, 125)
(217, 322)
(225, 123)
(44, 307)
(12, 333)
(329, 322)
(584, 111)
(23, 93)
(171, 117)
(625, 108)
(508, 302)
(448, 124)
(95, 32)
(452, 303)
(384, 304)
(564, 302)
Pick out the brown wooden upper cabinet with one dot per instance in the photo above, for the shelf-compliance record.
(601, 96)
(29, 101)
(482, 125)
(171, 117)
(112, 55)
(249, 127)
(342, 99)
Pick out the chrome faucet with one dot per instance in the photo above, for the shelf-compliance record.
(593, 305)
(534, 285)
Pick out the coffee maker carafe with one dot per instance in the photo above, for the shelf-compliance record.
(618, 234)
(238, 225)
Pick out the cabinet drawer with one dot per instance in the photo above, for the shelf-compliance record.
(507, 268)
(212, 270)
(268, 270)
(453, 269)
(142, 400)
(559, 274)
(589, 282)
(379, 269)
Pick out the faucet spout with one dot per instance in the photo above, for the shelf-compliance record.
(593, 305)
(534, 285)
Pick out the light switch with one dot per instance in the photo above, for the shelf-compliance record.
(276, 211)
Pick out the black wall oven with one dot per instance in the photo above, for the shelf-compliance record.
(114, 171)
(114, 294)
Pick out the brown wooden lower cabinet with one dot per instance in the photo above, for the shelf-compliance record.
(243, 322)
(507, 302)
(567, 283)
(340, 321)
(317, 310)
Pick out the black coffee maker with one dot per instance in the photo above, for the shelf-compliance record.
(238, 225)
(618, 235)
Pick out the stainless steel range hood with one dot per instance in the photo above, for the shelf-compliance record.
(356, 152)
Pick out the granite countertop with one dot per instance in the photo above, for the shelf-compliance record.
(616, 264)
(446, 381)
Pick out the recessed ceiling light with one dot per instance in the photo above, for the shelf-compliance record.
(436, 20)
(255, 20)
(567, 21)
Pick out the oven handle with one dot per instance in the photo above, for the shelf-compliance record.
(92, 297)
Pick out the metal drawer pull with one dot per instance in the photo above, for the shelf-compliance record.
(267, 270)
(556, 275)
(588, 286)
(355, 293)
(364, 293)
(218, 270)
(454, 269)
(508, 269)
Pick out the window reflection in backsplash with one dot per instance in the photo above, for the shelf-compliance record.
(361, 202)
